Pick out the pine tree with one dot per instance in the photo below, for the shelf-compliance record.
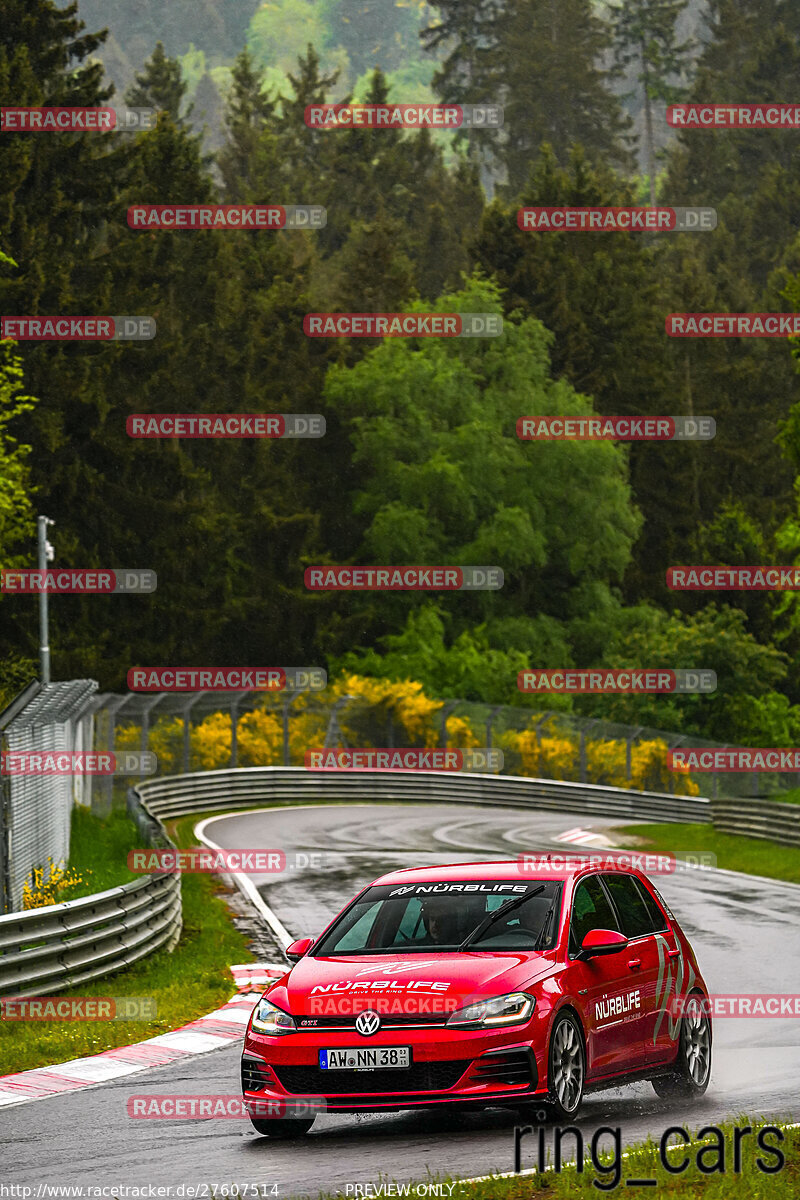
(248, 113)
(159, 85)
(645, 37)
(542, 60)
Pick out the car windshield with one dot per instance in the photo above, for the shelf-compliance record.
(431, 917)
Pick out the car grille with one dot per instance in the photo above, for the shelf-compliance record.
(253, 1078)
(509, 1067)
(387, 1022)
(420, 1077)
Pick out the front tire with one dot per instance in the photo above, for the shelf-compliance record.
(282, 1128)
(692, 1069)
(566, 1068)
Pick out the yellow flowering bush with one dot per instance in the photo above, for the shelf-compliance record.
(404, 701)
(553, 754)
(50, 884)
(650, 773)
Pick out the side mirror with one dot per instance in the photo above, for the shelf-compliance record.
(602, 941)
(296, 950)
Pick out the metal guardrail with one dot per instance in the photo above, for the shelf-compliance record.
(770, 819)
(60, 945)
(178, 795)
(48, 949)
(56, 947)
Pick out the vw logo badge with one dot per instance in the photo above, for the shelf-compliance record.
(367, 1023)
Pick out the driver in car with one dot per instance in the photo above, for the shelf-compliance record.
(445, 923)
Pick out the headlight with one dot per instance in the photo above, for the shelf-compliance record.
(269, 1019)
(499, 1010)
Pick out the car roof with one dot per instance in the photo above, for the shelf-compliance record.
(545, 867)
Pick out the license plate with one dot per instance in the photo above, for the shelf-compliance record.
(352, 1059)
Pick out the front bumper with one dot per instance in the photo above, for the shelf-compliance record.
(447, 1067)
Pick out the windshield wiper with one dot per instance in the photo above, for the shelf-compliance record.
(499, 912)
(546, 923)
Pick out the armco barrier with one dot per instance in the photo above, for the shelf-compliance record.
(770, 819)
(55, 947)
(177, 795)
(48, 949)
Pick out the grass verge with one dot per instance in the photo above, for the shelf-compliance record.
(717, 1176)
(754, 856)
(185, 984)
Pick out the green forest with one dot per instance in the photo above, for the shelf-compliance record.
(421, 463)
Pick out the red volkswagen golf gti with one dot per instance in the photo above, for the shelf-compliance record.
(478, 984)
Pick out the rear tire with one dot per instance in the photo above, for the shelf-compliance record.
(692, 1069)
(566, 1068)
(283, 1128)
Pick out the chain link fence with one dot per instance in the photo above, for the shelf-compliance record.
(35, 810)
(203, 731)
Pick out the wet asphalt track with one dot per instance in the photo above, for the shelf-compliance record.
(744, 931)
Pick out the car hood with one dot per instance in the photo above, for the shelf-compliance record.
(405, 983)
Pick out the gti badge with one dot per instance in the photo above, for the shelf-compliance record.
(367, 1023)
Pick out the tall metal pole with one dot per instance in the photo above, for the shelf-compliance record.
(45, 556)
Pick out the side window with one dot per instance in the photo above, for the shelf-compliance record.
(659, 923)
(629, 903)
(662, 902)
(590, 910)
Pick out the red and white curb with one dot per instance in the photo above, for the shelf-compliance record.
(210, 1032)
(582, 837)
